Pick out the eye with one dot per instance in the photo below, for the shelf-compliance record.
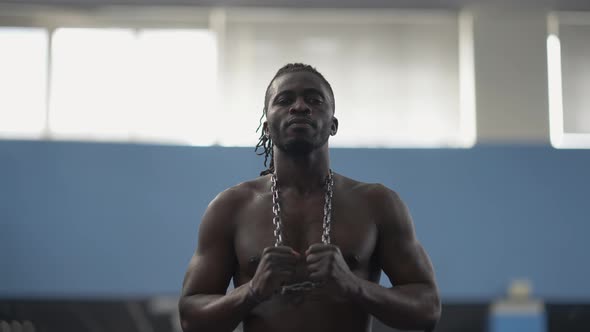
(283, 101)
(315, 100)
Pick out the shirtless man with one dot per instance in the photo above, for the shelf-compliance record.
(309, 260)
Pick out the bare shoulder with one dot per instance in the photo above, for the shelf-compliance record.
(385, 203)
(377, 193)
(237, 196)
(221, 212)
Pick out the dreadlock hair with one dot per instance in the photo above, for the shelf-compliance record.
(264, 141)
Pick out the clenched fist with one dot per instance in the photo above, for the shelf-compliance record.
(276, 267)
(326, 265)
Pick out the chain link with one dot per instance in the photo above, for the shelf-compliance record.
(276, 210)
(326, 225)
(328, 209)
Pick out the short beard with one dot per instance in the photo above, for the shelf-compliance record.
(297, 148)
(301, 147)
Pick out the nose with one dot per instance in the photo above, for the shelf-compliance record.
(300, 106)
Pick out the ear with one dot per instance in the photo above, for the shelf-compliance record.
(265, 129)
(334, 127)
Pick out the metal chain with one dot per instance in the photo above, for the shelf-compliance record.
(326, 225)
(328, 208)
(276, 211)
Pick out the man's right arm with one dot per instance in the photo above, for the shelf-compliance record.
(204, 304)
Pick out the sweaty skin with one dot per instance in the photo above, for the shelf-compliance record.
(372, 231)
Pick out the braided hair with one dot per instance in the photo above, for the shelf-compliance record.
(265, 142)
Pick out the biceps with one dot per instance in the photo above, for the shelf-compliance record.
(209, 272)
(406, 263)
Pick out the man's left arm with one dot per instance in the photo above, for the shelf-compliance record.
(413, 302)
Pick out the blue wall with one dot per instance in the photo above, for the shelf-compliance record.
(84, 219)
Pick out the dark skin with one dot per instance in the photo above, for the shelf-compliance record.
(372, 231)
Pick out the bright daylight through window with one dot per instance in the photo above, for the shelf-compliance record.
(412, 70)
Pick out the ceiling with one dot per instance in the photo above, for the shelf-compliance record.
(544, 4)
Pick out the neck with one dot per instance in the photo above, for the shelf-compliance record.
(305, 173)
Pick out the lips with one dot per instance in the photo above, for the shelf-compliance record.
(300, 121)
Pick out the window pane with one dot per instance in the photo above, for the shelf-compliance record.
(176, 81)
(151, 85)
(396, 81)
(92, 85)
(23, 75)
(575, 59)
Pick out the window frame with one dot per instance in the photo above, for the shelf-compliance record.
(560, 139)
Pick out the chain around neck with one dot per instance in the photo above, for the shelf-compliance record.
(327, 221)
(276, 209)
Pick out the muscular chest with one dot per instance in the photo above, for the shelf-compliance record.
(352, 229)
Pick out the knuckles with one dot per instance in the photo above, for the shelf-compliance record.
(267, 250)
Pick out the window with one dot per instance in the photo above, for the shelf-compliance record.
(146, 85)
(23, 68)
(70, 75)
(568, 56)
